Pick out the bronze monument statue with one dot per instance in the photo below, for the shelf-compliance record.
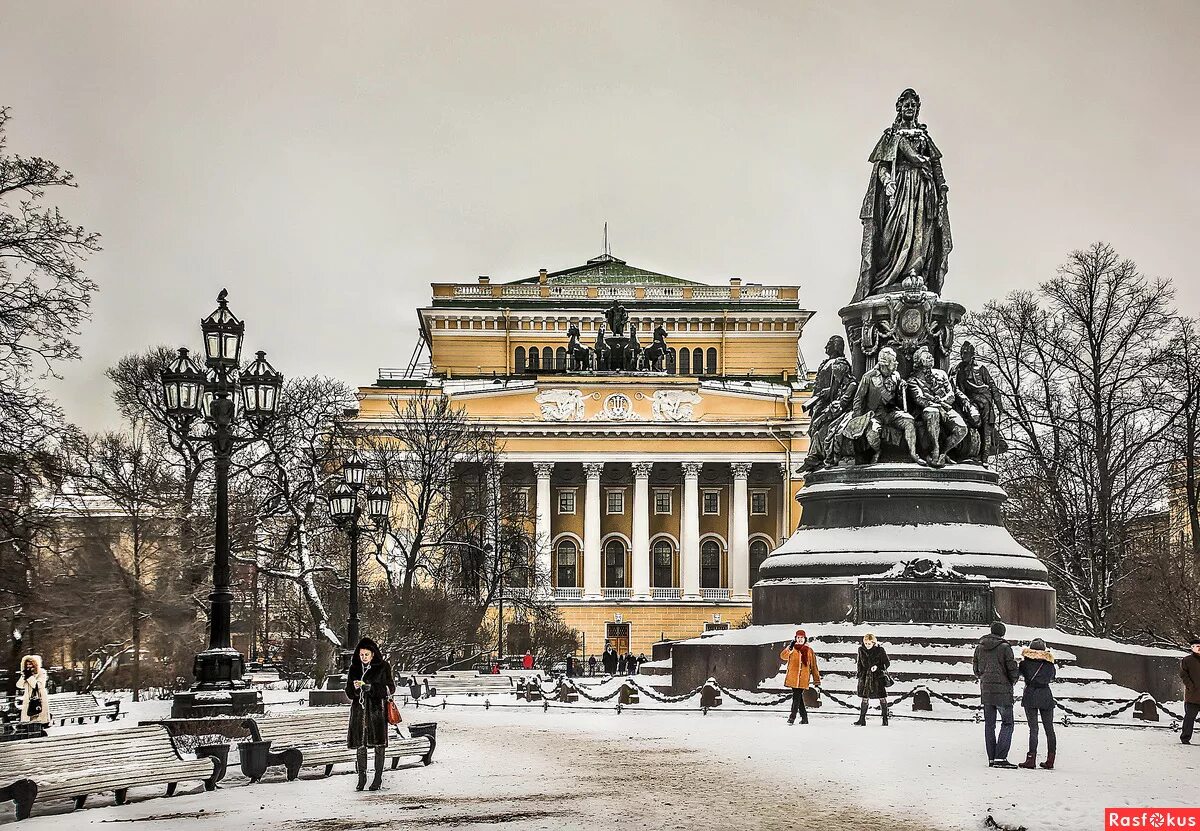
(932, 397)
(833, 395)
(906, 226)
(880, 403)
(981, 401)
(617, 319)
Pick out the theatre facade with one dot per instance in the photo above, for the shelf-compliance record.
(652, 424)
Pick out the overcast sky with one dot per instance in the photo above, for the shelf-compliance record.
(326, 162)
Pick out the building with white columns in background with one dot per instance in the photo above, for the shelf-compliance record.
(655, 494)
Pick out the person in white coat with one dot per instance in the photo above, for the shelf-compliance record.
(31, 686)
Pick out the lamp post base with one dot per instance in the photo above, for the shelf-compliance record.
(219, 689)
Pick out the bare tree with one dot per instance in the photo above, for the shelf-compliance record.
(1082, 364)
(118, 501)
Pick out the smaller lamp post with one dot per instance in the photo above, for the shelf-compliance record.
(346, 510)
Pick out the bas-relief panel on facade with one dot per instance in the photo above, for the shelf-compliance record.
(665, 405)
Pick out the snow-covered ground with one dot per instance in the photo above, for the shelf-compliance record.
(519, 767)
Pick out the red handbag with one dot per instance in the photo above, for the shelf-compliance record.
(393, 713)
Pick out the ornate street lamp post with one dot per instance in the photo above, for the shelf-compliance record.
(346, 510)
(192, 395)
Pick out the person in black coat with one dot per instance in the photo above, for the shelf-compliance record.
(609, 659)
(369, 685)
(620, 664)
(872, 666)
(1037, 668)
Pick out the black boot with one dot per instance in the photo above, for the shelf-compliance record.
(377, 782)
(360, 765)
(883, 706)
(862, 714)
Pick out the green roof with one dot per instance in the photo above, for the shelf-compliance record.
(607, 269)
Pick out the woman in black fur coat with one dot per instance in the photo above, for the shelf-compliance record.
(369, 685)
(872, 667)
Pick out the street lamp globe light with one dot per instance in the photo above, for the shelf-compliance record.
(183, 386)
(342, 502)
(354, 471)
(260, 390)
(379, 503)
(223, 333)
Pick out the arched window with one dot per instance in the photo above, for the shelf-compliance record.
(547, 357)
(758, 552)
(560, 359)
(519, 360)
(534, 359)
(685, 362)
(567, 562)
(710, 361)
(662, 558)
(698, 361)
(614, 564)
(670, 361)
(710, 565)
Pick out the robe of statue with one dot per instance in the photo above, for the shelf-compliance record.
(912, 234)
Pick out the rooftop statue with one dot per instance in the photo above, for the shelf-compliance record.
(906, 226)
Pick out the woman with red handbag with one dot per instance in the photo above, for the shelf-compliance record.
(369, 687)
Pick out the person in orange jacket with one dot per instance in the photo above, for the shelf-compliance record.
(801, 671)
(527, 660)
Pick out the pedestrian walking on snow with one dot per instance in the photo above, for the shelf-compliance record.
(1189, 671)
(31, 686)
(872, 678)
(1037, 668)
(369, 686)
(996, 669)
(801, 671)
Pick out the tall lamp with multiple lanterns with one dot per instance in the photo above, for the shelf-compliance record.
(195, 397)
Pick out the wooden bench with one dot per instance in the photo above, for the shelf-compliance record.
(78, 707)
(320, 736)
(466, 685)
(76, 765)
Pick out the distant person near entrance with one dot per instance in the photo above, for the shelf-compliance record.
(801, 671)
(609, 659)
(1189, 671)
(527, 661)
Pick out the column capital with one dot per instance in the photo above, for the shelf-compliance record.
(642, 469)
(543, 469)
(741, 470)
(593, 469)
(691, 470)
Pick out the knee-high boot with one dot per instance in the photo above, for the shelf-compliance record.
(377, 782)
(883, 706)
(360, 765)
(862, 714)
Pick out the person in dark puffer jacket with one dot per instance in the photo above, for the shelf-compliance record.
(872, 666)
(1037, 668)
(996, 669)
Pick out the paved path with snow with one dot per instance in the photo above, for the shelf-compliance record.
(522, 768)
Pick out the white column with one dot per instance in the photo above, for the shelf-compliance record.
(641, 530)
(541, 528)
(739, 536)
(591, 531)
(689, 531)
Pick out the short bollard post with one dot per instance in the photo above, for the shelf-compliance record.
(710, 695)
(921, 701)
(533, 690)
(1146, 710)
(567, 694)
(629, 694)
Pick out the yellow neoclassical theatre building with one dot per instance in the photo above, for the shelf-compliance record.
(653, 422)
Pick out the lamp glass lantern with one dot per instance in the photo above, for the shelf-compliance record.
(354, 470)
(341, 502)
(223, 333)
(261, 384)
(183, 387)
(379, 503)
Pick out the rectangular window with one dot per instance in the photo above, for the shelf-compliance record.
(616, 502)
(566, 502)
(712, 502)
(758, 503)
(662, 502)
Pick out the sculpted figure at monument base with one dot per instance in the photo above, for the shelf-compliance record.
(879, 403)
(932, 398)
